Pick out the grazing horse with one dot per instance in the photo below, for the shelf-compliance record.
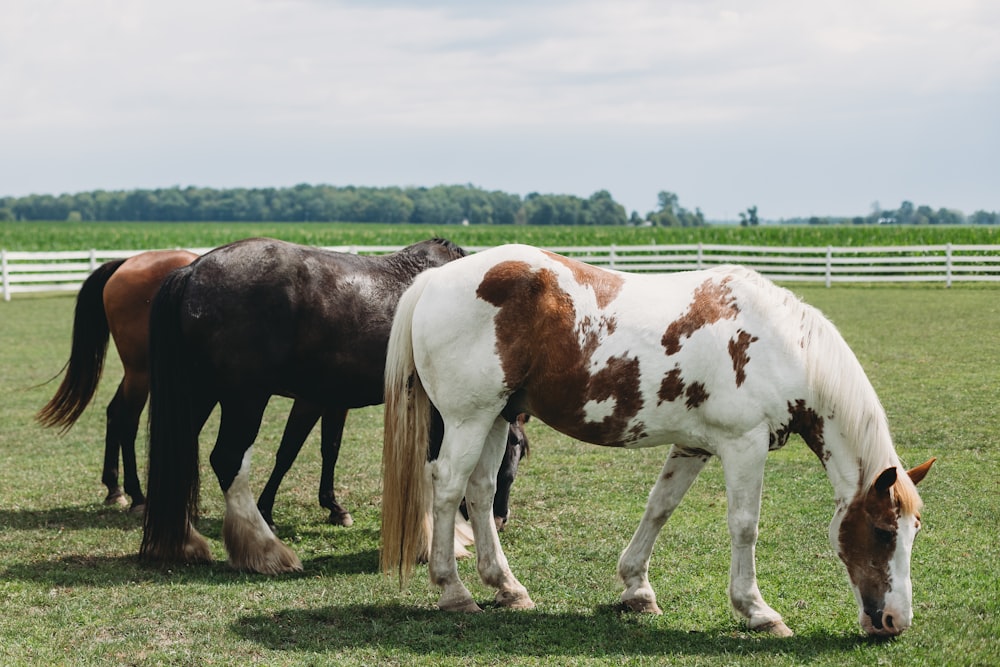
(244, 322)
(114, 301)
(718, 362)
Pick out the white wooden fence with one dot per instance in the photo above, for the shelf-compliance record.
(22, 272)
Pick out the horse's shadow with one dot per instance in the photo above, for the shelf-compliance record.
(79, 517)
(353, 556)
(425, 631)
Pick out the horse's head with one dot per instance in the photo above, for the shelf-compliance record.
(517, 449)
(433, 252)
(873, 535)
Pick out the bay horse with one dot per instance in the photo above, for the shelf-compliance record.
(249, 320)
(719, 362)
(114, 302)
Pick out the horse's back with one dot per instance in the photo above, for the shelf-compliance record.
(607, 357)
(128, 297)
(277, 317)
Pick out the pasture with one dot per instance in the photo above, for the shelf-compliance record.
(36, 236)
(74, 593)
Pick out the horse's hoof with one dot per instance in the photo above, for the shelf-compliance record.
(642, 606)
(465, 607)
(273, 558)
(514, 600)
(196, 550)
(137, 509)
(116, 498)
(340, 518)
(774, 629)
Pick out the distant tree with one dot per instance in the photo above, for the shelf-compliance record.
(603, 210)
(666, 216)
(749, 219)
(947, 216)
(984, 218)
(904, 215)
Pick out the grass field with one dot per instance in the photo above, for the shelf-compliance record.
(74, 593)
(35, 236)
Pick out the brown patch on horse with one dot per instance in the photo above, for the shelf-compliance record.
(672, 387)
(809, 425)
(606, 285)
(696, 395)
(713, 301)
(738, 352)
(546, 356)
(805, 422)
(867, 540)
(681, 452)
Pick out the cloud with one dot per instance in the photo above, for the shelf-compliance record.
(698, 83)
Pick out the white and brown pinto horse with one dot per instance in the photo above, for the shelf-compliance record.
(717, 362)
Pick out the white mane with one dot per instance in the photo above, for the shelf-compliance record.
(839, 384)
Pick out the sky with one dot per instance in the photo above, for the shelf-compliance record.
(798, 108)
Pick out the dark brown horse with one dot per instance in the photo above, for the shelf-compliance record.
(247, 321)
(114, 302)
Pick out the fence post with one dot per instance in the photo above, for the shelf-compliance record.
(699, 255)
(611, 257)
(829, 264)
(3, 272)
(93, 260)
(947, 263)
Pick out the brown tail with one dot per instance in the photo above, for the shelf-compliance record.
(405, 529)
(86, 359)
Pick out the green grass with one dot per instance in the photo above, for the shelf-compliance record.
(33, 236)
(74, 593)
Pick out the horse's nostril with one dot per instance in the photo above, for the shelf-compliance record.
(888, 621)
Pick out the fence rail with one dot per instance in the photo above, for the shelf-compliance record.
(22, 272)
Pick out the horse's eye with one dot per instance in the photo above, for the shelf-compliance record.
(883, 535)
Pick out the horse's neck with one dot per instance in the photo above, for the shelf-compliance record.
(848, 466)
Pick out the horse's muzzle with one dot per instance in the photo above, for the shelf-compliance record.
(883, 623)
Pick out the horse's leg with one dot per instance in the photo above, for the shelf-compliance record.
(490, 559)
(679, 472)
(743, 467)
(249, 541)
(112, 438)
(460, 452)
(332, 430)
(301, 420)
(135, 390)
(197, 548)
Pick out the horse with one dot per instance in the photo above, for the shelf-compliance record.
(114, 301)
(249, 320)
(718, 362)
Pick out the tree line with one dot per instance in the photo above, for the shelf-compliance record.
(907, 214)
(438, 205)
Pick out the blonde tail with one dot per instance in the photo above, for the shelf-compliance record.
(405, 487)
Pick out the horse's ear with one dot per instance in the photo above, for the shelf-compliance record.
(918, 473)
(885, 480)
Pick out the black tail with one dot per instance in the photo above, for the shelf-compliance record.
(86, 359)
(173, 483)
